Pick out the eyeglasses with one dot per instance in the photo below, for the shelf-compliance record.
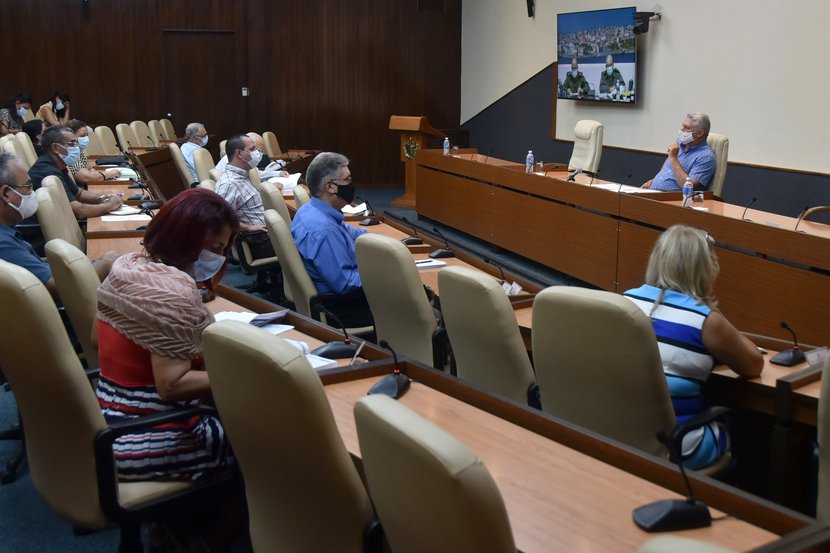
(70, 143)
(25, 186)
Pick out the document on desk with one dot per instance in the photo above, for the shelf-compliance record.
(247, 317)
(625, 188)
(125, 210)
(429, 263)
(354, 210)
(119, 218)
(288, 183)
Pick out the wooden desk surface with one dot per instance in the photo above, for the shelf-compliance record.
(551, 503)
(96, 227)
(96, 247)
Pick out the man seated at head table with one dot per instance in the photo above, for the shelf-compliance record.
(326, 243)
(689, 157)
(265, 167)
(609, 78)
(575, 82)
(17, 202)
(195, 137)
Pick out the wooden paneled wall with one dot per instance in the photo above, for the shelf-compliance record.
(321, 74)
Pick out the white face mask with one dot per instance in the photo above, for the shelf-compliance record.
(206, 265)
(83, 142)
(684, 137)
(203, 141)
(609, 70)
(22, 111)
(256, 157)
(59, 106)
(28, 204)
(574, 73)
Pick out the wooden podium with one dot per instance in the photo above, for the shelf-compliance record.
(416, 129)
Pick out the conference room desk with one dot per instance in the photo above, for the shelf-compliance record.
(391, 232)
(96, 227)
(97, 247)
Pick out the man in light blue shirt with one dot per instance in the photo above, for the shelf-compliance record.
(689, 157)
(326, 243)
(195, 137)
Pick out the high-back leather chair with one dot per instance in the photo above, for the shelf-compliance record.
(68, 442)
(253, 175)
(126, 137)
(107, 140)
(210, 184)
(167, 127)
(95, 148)
(222, 152)
(25, 149)
(56, 217)
(430, 491)
(203, 162)
(77, 284)
(215, 174)
(301, 196)
(10, 147)
(272, 145)
(6, 138)
(598, 365)
(299, 287)
(396, 296)
(485, 337)
(142, 134)
(156, 131)
(587, 150)
(720, 147)
(181, 165)
(296, 468)
(272, 199)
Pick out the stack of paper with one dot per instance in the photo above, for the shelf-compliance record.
(125, 210)
(359, 209)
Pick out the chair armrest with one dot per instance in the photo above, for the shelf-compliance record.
(706, 416)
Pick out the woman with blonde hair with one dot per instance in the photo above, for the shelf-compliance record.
(691, 332)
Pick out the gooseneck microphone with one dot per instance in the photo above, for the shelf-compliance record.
(394, 385)
(344, 349)
(441, 252)
(370, 219)
(743, 216)
(624, 182)
(414, 240)
(497, 266)
(800, 217)
(669, 515)
(151, 147)
(792, 356)
(573, 175)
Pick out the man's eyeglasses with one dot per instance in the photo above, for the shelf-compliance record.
(25, 186)
(70, 143)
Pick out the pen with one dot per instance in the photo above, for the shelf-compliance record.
(356, 353)
(423, 261)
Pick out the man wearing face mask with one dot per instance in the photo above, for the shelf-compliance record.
(195, 137)
(60, 151)
(326, 243)
(689, 156)
(609, 78)
(575, 83)
(18, 202)
(236, 187)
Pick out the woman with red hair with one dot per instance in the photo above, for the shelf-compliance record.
(150, 323)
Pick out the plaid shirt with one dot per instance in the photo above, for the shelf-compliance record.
(238, 190)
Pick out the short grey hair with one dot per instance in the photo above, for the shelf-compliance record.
(701, 122)
(6, 175)
(326, 166)
(192, 130)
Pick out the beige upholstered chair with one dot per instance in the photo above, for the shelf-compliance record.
(208, 183)
(95, 147)
(167, 128)
(720, 147)
(55, 214)
(77, 284)
(215, 174)
(678, 544)
(25, 149)
(823, 437)
(587, 150)
(301, 196)
(297, 471)
(598, 365)
(142, 134)
(253, 174)
(28, 116)
(10, 147)
(272, 145)
(298, 285)
(5, 139)
(107, 140)
(126, 137)
(156, 131)
(64, 424)
(430, 491)
(181, 165)
(485, 337)
(203, 162)
(399, 304)
(272, 199)
(222, 149)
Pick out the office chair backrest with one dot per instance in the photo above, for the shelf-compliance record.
(167, 127)
(215, 174)
(77, 284)
(430, 491)
(107, 140)
(598, 365)
(720, 147)
(300, 288)
(486, 341)
(203, 162)
(222, 152)
(253, 175)
(126, 137)
(296, 468)
(6, 138)
(156, 131)
(95, 148)
(587, 150)
(301, 196)
(272, 145)
(272, 199)
(25, 149)
(402, 313)
(143, 135)
(56, 217)
(10, 147)
(181, 165)
(208, 183)
(57, 406)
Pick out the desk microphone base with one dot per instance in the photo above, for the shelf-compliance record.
(337, 350)
(669, 515)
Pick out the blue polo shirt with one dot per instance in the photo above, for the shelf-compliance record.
(16, 250)
(326, 245)
(698, 162)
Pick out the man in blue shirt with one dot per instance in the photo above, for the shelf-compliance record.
(326, 244)
(689, 156)
(196, 137)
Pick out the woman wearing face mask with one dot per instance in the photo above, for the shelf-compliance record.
(11, 115)
(149, 331)
(56, 110)
(82, 170)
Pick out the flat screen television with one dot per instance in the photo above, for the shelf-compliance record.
(597, 52)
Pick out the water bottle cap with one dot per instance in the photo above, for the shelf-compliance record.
(530, 151)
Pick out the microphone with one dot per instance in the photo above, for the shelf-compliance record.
(336, 350)
(370, 220)
(129, 146)
(789, 357)
(594, 175)
(669, 515)
(487, 157)
(441, 252)
(411, 240)
(147, 207)
(573, 175)
(752, 201)
(800, 217)
(161, 138)
(138, 184)
(624, 182)
(394, 385)
(497, 266)
(151, 147)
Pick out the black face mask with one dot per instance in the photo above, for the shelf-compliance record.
(346, 192)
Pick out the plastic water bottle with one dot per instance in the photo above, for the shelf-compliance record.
(529, 162)
(688, 190)
(446, 145)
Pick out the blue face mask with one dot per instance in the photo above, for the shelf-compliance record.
(574, 73)
(609, 70)
(204, 141)
(83, 142)
(21, 111)
(206, 265)
(73, 155)
(59, 106)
